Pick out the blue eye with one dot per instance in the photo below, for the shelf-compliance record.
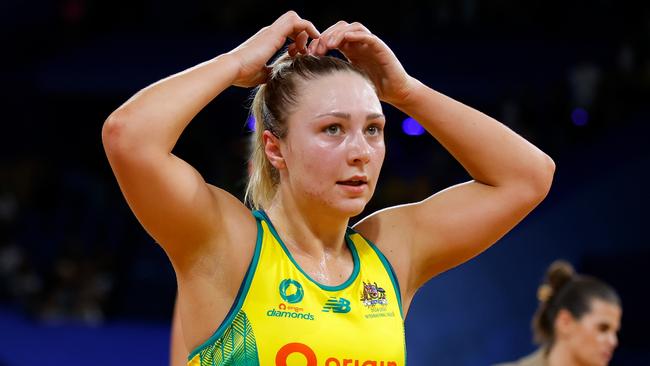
(333, 129)
(373, 130)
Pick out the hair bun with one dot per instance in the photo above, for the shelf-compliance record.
(559, 273)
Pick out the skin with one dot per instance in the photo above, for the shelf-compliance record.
(340, 120)
(335, 136)
(589, 340)
(209, 235)
(178, 351)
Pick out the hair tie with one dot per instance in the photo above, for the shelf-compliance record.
(544, 292)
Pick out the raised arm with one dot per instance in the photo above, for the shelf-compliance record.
(169, 197)
(511, 176)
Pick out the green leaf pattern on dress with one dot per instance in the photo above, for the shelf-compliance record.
(235, 347)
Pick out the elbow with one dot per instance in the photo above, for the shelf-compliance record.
(114, 134)
(547, 174)
(111, 132)
(541, 179)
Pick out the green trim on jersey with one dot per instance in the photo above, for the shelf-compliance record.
(234, 311)
(388, 267)
(331, 324)
(353, 250)
(236, 346)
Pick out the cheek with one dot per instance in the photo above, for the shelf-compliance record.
(377, 160)
(321, 157)
(318, 165)
(381, 154)
(588, 341)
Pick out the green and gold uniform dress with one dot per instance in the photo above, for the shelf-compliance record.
(283, 317)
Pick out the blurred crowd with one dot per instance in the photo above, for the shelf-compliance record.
(71, 251)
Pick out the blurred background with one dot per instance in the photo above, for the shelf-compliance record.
(80, 280)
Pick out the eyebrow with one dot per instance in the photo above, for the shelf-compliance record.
(348, 116)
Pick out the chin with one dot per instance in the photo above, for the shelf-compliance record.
(352, 208)
(598, 362)
(339, 206)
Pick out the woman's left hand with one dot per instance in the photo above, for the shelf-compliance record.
(369, 53)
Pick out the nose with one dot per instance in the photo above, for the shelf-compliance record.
(613, 340)
(359, 150)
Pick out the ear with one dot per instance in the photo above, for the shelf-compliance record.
(564, 322)
(272, 150)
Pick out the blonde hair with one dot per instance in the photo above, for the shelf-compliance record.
(272, 104)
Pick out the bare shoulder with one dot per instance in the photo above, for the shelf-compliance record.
(383, 227)
(238, 228)
(235, 213)
(208, 284)
(231, 245)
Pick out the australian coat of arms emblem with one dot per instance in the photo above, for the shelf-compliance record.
(373, 294)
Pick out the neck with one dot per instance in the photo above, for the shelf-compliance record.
(311, 231)
(561, 355)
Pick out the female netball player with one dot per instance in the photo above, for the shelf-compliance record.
(577, 321)
(291, 282)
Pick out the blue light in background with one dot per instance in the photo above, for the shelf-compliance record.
(250, 123)
(580, 117)
(411, 127)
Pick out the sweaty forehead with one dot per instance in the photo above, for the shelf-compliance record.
(341, 91)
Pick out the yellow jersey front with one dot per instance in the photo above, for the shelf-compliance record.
(283, 317)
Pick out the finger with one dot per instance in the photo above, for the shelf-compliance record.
(322, 45)
(362, 42)
(292, 49)
(314, 45)
(335, 38)
(347, 48)
(292, 24)
(337, 24)
(333, 27)
(359, 36)
(302, 25)
(301, 42)
(363, 39)
(320, 49)
(311, 49)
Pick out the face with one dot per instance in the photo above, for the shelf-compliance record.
(334, 148)
(593, 338)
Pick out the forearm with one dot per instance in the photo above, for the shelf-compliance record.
(489, 151)
(155, 117)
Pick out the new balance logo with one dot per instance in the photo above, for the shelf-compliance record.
(337, 305)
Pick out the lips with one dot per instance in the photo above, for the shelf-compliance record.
(607, 355)
(355, 186)
(354, 181)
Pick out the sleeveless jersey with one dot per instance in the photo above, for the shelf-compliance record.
(283, 317)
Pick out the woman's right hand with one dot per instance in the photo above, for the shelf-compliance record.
(253, 54)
